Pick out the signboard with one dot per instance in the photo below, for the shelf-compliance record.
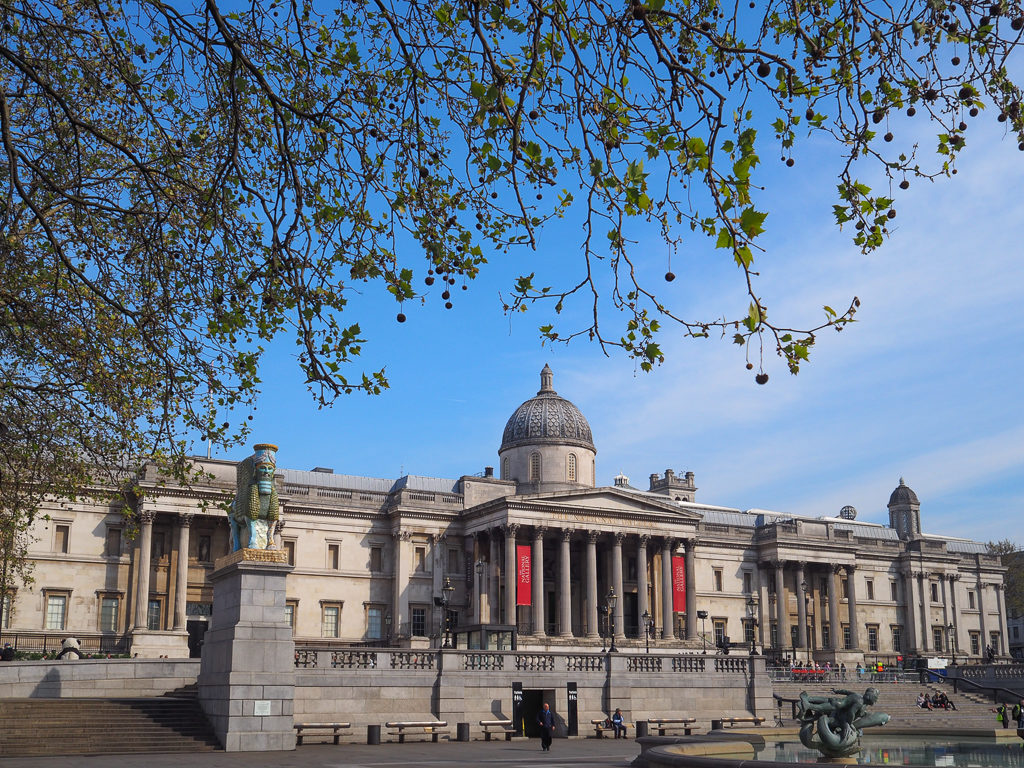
(517, 708)
(678, 584)
(261, 708)
(523, 578)
(571, 720)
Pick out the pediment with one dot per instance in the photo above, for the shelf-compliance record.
(611, 502)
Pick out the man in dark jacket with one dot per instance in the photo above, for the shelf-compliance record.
(546, 721)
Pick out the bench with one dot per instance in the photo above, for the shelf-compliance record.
(337, 729)
(663, 724)
(602, 725)
(735, 720)
(433, 727)
(497, 726)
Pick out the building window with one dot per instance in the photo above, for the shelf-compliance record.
(893, 594)
(897, 638)
(1015, 628)
(376, 559)
(112, 548)
(109, 605)
(993, 640)
(56, 611)
(844, 589)
(748, 582)
(290, 609)
(61, 534)
(847, 642)
(873, 637)
(935, 592)
(826, 636)
(159, 550)
(373, 623)
(970, 599)
(748, 631)
(870, 589)
(153, 615)
(937, 633)
(330, 619)
(504, 469)
(718, 579)
(420, 559)
(719, 632)
(773, 634)
(975, 643)
(571, 468)
(203, 550)
(419, 622)
(534, 467)
(794, 632)
(453, 560)
(289, 550)
(5, 611)
(333, 556)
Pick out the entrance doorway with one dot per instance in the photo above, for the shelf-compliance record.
(533, 702)
(196, 630)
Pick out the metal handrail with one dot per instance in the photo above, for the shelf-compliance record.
(995, 690)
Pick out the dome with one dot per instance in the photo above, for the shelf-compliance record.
(547, 418)
(903, 494)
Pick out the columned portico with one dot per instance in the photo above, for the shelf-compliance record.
(801, 605)
(143, 565)
(537, 581)
(691, 588)
(510, 530)
(494, 583)
(666, 589)
(641, 581)
(592, 625)
(617, 611)
(834, 629)
(781, 608)
(909, 599)
(181, 583)
(851, 605)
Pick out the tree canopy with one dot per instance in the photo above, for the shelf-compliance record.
(184, 183)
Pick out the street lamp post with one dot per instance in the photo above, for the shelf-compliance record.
(387, 625)
(610, 599)
(648, 627)
(603, 626)
(951, 640)
(446, 599)
(703, 615)
(752, 614)
(805, 589)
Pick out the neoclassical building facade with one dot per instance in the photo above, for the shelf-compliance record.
(420, 560)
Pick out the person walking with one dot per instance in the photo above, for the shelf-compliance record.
(1018, 714)
(546, 721)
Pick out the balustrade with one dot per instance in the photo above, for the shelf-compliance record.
(412, 660)
(643, 663)
(353, 660)
(535, 662)
(305, 659)
(494, 661)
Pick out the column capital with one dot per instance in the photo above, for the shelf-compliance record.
(510, 530)
(619, 538)
(692, 541)
(402, 535)
(185, 519)
(953, 576)
(567, 534)
(642, 540)
(834, 568)
(539, 531)
(778, 564)
(279, 526)
(667, 542)
(850, 568)
(593, 536)
(147, 516)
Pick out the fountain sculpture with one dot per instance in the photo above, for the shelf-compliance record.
(832, 724)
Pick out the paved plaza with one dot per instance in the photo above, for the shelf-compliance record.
(564, 752)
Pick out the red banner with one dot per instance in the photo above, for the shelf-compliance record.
(678, 584)
(523, 580)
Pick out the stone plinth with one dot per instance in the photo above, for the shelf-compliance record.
(150, 644)
(247, 671)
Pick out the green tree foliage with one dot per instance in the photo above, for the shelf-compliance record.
(184, 183)
(1012, 558)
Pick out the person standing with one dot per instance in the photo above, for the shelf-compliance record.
(1018, 714)
(1002, 715)
(546, 721)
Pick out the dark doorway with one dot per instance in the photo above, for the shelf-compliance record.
(630, 624)
(196, 630)
(533, 702)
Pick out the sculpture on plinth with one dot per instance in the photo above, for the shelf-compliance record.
(832, 724)
(255, 507)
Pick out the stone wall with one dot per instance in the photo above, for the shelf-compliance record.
(95, 678)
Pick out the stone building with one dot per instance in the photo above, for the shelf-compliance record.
(419, 560)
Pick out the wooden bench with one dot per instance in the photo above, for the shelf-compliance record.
(497, 726)
(337, 729)
(602, 725)
(663, 724)
(435, 728)
(736, 720)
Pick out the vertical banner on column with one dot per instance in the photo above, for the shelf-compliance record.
(678, 584)
(523, 577)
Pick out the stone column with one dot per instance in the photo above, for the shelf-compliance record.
(400, 581)
(565, 592)
(617, 613)
(762, 606)
(801, 605)
(945, 604)
(642, 605)
(833, 609)
(143, 565)
(667, 614)
(911, 620)
(592, 625)
(537, 580)
(479, 577)
(954, 618)
(781, 609)
(925, 592)
(691, 588)
(1002, 650)
(181, 584)
(494, 587)
(510, 530)
(278, 530)
(981, 614)
(851, 606)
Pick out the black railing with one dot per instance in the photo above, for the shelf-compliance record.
(995, 691)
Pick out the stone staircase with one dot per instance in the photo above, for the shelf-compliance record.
(899, 701)
(32, 727)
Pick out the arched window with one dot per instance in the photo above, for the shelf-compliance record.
(534, 467)
(571, 468)
(504, 468)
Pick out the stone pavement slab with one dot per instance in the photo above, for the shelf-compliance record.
(565, 753)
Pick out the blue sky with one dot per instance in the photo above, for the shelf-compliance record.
(926, 385)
